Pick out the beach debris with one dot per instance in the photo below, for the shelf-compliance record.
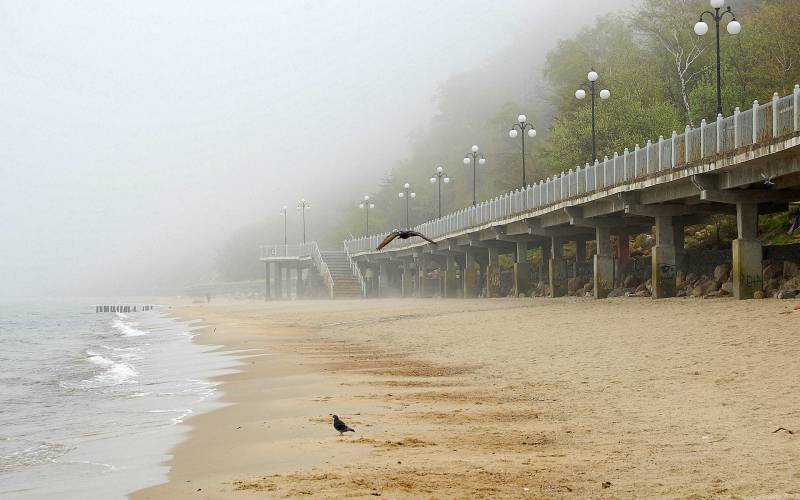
(783, 429)
(340, 426)
(606, 484)
(403, 235)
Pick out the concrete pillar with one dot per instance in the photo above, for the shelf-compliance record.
(748, 275)
(544, 265)
(522, 270)
(383, 279)
(603, 264)
(679, 237)
(423, 290)
(493, 274)
(278, 281)
(299, 285)
(267, 284)
(407, 281)
(469, 275)
(664, 283)
(558, 269)
(449, 282)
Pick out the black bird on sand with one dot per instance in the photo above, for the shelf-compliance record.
(340, 426)
(403, 235)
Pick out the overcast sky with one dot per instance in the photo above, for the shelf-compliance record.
(136, 132)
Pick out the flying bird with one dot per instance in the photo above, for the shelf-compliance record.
(403, 235)
(340, 426)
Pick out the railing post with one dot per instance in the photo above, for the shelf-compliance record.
(702, 138)
(687, 144)
(775, 115)
(755, 121)
(636, 161)
(796, 108)
(736, 128)
(673, 154)
(660, 151)
(647, 156)
(625, 173)
(719, 133)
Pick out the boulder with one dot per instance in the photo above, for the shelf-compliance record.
(727, 288)
(640, 288)
(588, 287)
(790, 285)
(575, 284)
(711, 295)
(644, 293)
(617, 292)
(680, 279)
(630, 281)
(790, 270)
(788, 294)
(758, 295)
(691, 278)
(722, 271)
(773, 271)
(697, 291)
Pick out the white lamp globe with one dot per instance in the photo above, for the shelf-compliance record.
(580, 94)
(701, 28)
(400, 195)
(366, 197)
(466, 161)
(512, 133)
(433, 180)
(522, 118)
(734, 27)
(439, 169)
(447, 180)
(406, 185)
(413, 195)
(532, 133)
(592, 76)
(371, 205)
(605, 94)
(360, 205)
(474, 149)
(717, 4)
(285, 207)
(482, 161)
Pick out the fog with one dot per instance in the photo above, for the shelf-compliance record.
(138, 135)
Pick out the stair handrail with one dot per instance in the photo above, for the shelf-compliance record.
(356, 271)
(321, 265)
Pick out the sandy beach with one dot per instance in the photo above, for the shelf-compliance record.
(541, 398)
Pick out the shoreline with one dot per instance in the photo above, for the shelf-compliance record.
(502, 397)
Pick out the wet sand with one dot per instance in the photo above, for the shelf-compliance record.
(541, 398)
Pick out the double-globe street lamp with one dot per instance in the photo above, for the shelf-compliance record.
(734, 27)
(581, 95)
(366, 205)
(439, 177)
(302, 206)
(475, 158)
(407, 193)
(522, 126)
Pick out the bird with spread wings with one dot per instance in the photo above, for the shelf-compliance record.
(403, 235)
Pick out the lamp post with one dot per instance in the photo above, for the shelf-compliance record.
(581, 95)
(407, 193)
(366, 205)
(476, 158)
(302, 206)
(285, 242)
(439, 177)
(734, 27)
(522, 126)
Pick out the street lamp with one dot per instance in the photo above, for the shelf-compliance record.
(407, 193)
(581, 95)
(285, 242)
(734, 27)
(366, 205)
(522, 126)
(302, 206)
(474, 156)
(440, 177)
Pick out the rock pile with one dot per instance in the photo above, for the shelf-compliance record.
(782, 280)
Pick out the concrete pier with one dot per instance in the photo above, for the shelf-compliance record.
(449, 281)
(469, 274)
(493, 273)
(558, 268)
(278, 281)
(522, 269)
(603, 264)
(747, 270)
(407, 281)
(664, 273)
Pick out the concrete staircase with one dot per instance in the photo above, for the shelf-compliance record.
(345, 283)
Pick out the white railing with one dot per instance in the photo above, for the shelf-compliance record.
(356, 271)
(762, 123)
(322, 267)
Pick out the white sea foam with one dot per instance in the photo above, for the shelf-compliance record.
(126, 329)
(116, 372)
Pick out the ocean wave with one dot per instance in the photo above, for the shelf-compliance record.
(127, 329)
(22, 453)
(115, 373)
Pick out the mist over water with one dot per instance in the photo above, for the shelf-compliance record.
(139, 136)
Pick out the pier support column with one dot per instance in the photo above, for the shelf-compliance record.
(603, 264)
(407, 281)
(383, 279)
(423, 290)
(664, 282)
(558, 269)
(679, 238)
(449, 282)
(278, 281)
(493, 274)
(267, 287)
(469, 275)
(747, 271)
(522, 270)
(544, 264)
(300, 287)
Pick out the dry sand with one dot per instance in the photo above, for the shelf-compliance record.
(542, 398)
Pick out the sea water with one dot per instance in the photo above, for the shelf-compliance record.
(91, 403)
